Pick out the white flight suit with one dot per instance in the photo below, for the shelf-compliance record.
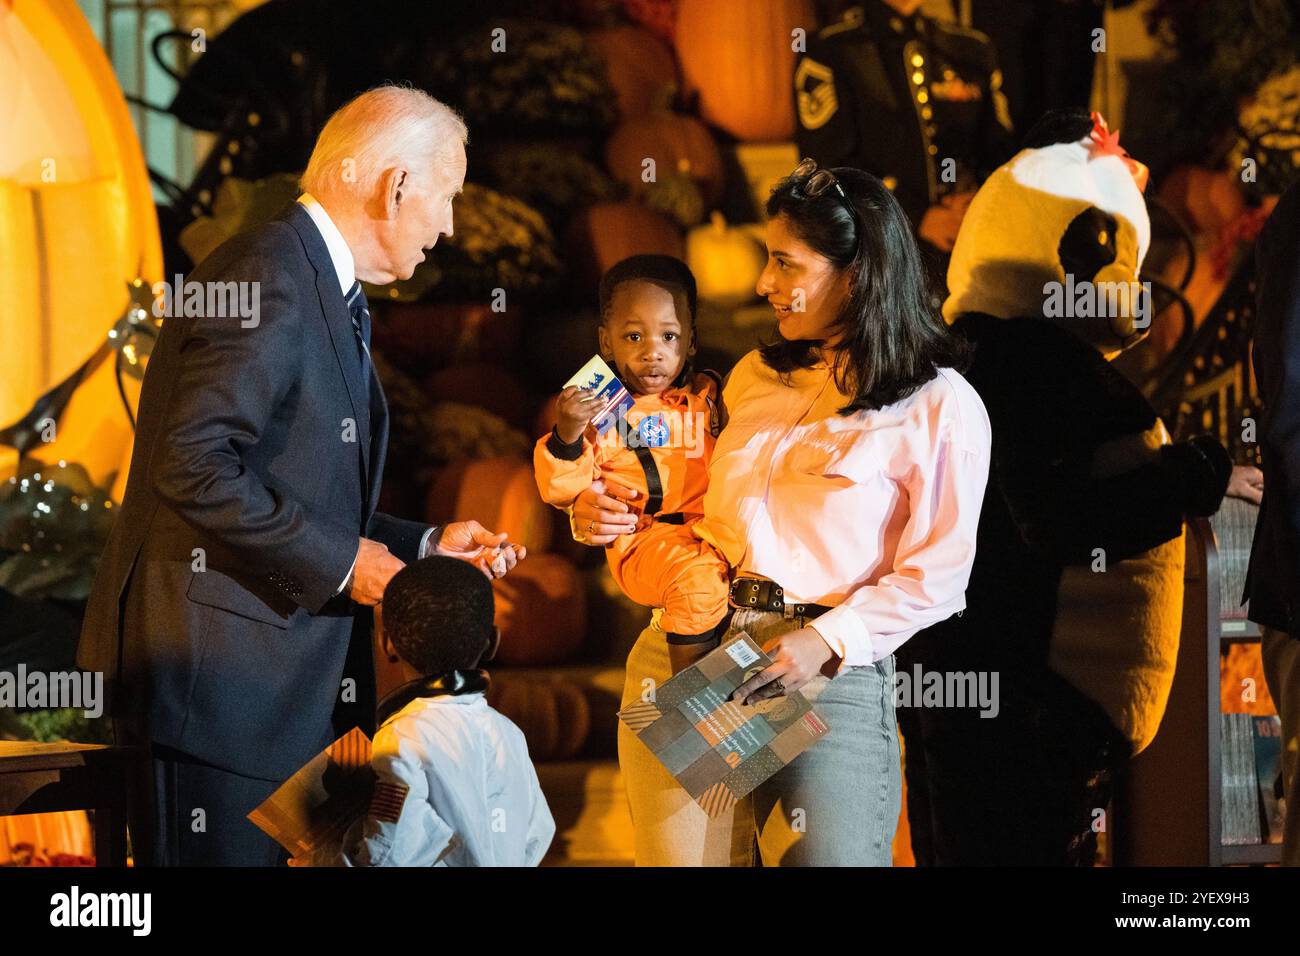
(454, 787)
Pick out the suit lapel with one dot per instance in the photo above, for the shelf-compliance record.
(338, 321)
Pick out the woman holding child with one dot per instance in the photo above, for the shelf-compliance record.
(844, 493)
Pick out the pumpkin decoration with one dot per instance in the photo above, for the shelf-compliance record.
(541, 609)
(677, 143)
(420, 336)
(77, 225)
(640, 67)
(554, 716)
(726, 261)
(500, 494)
(741, 66)
(606, 233)
(485, 385)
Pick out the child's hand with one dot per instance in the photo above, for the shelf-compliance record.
(575, 410)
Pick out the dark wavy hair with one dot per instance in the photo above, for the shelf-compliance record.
(893, 340)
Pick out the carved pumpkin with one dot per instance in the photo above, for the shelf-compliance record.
(742, 65)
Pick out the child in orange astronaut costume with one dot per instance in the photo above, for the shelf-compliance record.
(661, 448)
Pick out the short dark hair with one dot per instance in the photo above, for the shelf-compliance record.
(1065, 125)
(439, 612)
(667, 271)
(894, 341)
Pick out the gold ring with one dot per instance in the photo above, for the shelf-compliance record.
(591, 526)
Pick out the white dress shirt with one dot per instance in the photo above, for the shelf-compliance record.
(345, 271)
(873, 513)
(458, 789)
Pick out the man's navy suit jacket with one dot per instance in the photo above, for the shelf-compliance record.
(258, 446)
(1273, 580)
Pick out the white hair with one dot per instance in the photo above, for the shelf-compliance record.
(386, 126)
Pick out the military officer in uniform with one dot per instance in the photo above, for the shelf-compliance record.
(913, 100)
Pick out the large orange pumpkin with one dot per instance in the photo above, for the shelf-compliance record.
(554, 715)
(603, 234)
(676, 142)
(541, 609)
(500, 494)
(485, 385)
(639, 65)
(741, 63)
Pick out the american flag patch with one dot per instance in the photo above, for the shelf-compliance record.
(387, 800)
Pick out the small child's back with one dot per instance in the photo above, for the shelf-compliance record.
(455, 787)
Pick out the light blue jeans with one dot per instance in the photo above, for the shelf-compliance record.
(836, 804)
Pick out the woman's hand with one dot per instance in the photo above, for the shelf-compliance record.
(600, 514)
(797, 658)
(1246, 483)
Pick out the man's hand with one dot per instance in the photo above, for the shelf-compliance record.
(1246, 483)
(940, 223)
(375, 567)
(797, 657)
(600, 514)
(574, 410)
(490, 552)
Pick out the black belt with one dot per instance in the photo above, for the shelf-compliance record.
(756, 594)
(674, 517)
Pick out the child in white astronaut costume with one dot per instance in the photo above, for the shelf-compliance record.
(455, 786)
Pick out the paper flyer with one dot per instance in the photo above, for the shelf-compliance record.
(720, 750)
(319, 802)
(600, 378)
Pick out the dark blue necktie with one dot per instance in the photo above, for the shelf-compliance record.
(360, 311)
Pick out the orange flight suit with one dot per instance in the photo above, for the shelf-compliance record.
(660, 564)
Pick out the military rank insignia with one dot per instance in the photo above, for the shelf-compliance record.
(814, 85)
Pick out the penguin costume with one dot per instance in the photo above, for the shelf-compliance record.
(1074, 605)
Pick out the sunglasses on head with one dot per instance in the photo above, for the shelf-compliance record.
(816, 181)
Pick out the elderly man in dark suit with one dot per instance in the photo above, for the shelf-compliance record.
(1273, 580)
(231, 614)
